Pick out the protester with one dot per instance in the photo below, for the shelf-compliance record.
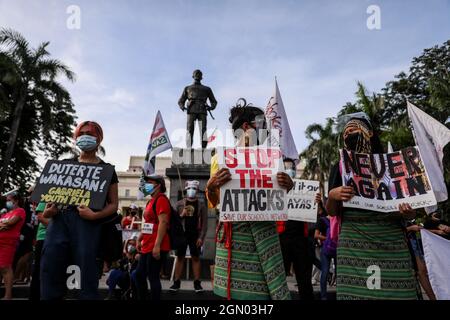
(327, 253)
(120, 275)
(368, 238)
(195, 218)
(132, 219)
(153, 242)
(247, 267)
(23, 257)
(35, 286)
(73, 233)
(295, 248)
(10, 225)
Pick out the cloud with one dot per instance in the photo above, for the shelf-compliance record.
(134, 58)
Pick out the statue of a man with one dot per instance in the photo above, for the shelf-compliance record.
(196, 95)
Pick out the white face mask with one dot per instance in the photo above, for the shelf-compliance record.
(191, 193)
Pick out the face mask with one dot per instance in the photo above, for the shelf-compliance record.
(149, 188)
(191, 193)
(86, 142)
(291, 173)
(351, 141)
(131, 249)
(9, 205)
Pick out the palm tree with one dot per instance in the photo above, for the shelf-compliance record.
(321, 153)
(29, 82)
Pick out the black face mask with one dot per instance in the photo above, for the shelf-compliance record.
(351, 141)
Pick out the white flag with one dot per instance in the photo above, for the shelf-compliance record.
(431, 136)
(278, 123)
(159, 142)
(390, 149)
(437, 258)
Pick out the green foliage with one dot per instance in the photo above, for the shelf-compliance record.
(48, 115)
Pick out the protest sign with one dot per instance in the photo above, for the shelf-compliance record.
(74, 183)
(301, 205)
(128, 234)
(253, 194)
(383, 181)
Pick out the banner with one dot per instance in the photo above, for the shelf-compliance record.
(253, 194)
(74, 183)
(431, 137)
(159, 142)
(437, 258)
(383, 181)
(278, 124)
(301, 203)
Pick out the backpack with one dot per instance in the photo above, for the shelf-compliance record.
(329, 245)
(176, 230)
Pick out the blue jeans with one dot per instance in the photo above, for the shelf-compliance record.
(325, 270)
(118, 278)
(70, 240)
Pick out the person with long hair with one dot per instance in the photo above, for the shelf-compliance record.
(73, 233)
(369, 240)
(249, 263)
(10, 225)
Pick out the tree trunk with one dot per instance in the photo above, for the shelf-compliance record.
(12, 139)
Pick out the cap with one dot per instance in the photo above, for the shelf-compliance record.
(133, 206)
(191, 184)
(158, 179)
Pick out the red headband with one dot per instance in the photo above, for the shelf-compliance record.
(93, 126)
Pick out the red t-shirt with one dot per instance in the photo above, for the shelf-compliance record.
(150, 217)
(14, 231)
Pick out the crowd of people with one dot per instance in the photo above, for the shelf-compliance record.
(38, 241)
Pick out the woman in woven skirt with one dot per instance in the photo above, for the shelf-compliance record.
(370, 243)
(249, 264)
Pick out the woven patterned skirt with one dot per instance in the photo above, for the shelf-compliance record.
(257, 271)
(370, 242)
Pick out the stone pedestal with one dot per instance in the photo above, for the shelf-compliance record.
(194, 164)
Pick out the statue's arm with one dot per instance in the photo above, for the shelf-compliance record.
(212, 100)
(182, 100)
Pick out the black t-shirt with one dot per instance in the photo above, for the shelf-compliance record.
(191, 222)
(294, 228)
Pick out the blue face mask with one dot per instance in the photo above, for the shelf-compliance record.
(149, 188)
(291, 172)
(86, 142)
(9, 205)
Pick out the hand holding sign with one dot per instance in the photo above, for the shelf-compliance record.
(406, 211)
(50, 210)
(343, 193)
(284, 181)
(86, 213)
(220, 178)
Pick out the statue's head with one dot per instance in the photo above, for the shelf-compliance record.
(197, 75)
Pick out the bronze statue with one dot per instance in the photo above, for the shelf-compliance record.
(196, 95)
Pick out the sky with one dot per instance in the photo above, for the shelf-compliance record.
(133, 58)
